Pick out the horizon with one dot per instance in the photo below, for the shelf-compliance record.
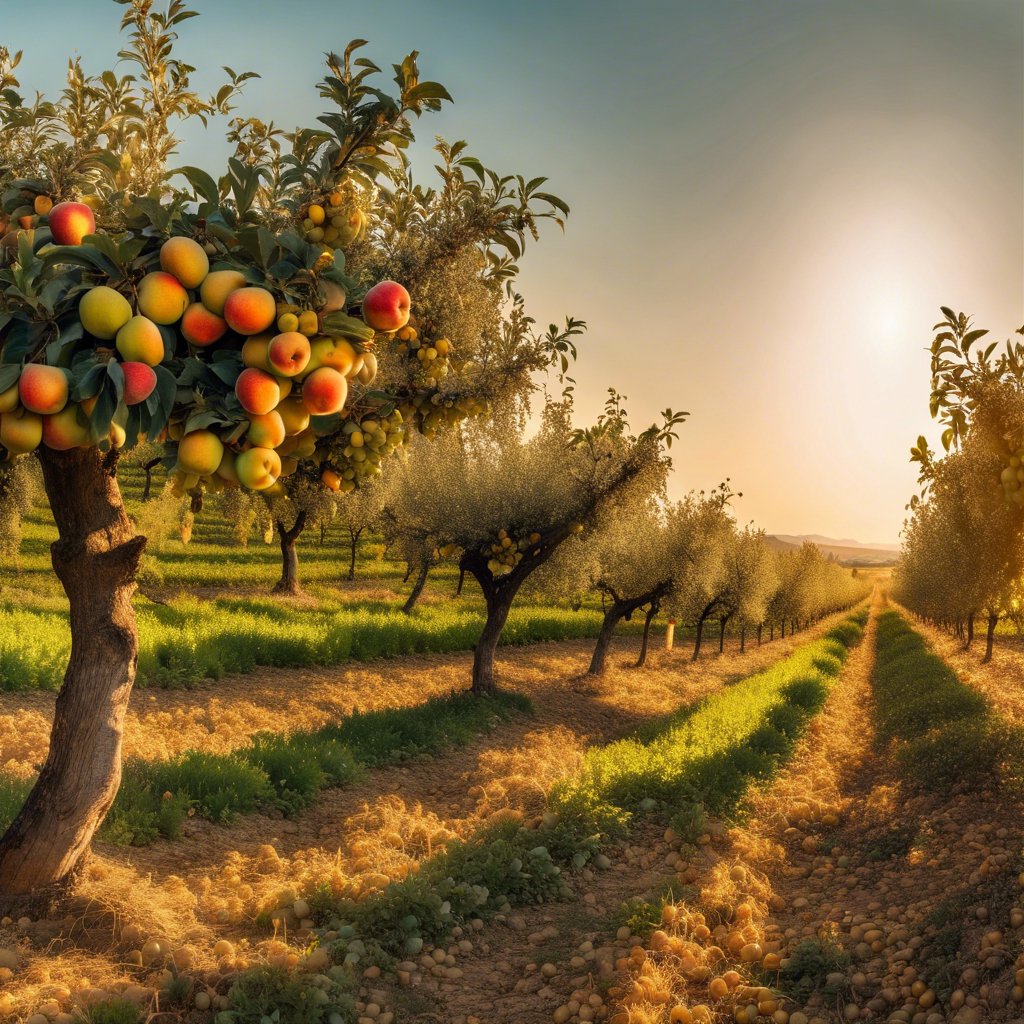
(800, 155)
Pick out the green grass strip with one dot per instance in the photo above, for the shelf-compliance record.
(277, 771)
(706, 755)
(190, 641)
(944, 733)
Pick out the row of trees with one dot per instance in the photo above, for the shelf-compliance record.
(963, 552)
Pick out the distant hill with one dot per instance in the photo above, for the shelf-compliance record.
(849, 552)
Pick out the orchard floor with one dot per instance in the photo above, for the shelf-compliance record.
(210, 884)
(914, 899)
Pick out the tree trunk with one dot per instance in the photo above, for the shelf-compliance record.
(970, 629)
(743, 639)
(771, 631)
(417, 588)
(96, 558)
(354, 541)
(782, 629)
(760, 630)
(462, 577)
(323, 532)
(993, 619)
(648, 619)
(700, 638)
(289, 581)
(499, 603)
(721, 634)
(612, 616)
(148, 468)
(408, 572)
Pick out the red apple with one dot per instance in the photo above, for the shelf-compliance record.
(288, 353)
(386, 306)
(139, 382)
(69, 223)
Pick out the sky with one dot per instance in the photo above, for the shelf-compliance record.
(770, 199)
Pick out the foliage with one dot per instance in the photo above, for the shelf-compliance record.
(274, 995)
(113, 1011)
(808, 967)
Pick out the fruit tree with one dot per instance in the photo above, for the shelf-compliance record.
(239, 321)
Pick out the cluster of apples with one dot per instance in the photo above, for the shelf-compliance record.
(37, 409)
(333, 222)
(367, 443)
(431, 355)
(506, 552)
(1011, 478)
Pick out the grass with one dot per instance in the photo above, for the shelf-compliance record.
(707, 755)
(943, 732)
(190, 641)
(279, 772)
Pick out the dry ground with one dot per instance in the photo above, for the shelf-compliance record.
(210, 885)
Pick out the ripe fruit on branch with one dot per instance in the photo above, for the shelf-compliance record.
(200, 452)
(250, 310)
(288, 353)
(324, 391)
(69, 223)
(9, 399)
(331, 480)
(336, 353)
(139, 382)
(216, 288)
(140, 340)
(266, 431)
(201, 327)
(43, 389)
(42, 205)
(66, 429)
(162, 298)
(103, 312)
(21, 432)
(386, 306)
(258, 468)
(186, 260)
(257, 391)
(294, 415)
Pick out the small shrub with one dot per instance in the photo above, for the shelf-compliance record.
(272, 994)
(113, 1011)
(809, 966)
(221, 786)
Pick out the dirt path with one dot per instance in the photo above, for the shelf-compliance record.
(887, 905)
(221, 715)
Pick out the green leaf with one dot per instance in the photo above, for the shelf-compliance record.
(9, 374)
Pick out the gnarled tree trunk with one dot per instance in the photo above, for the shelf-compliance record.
(499, 604)
(417, 588)
(96, 557)
(289, 581)
(648, 619)
(993, 621)
(353, 546)
(148, 468)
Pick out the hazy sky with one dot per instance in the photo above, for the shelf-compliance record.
(770, 199)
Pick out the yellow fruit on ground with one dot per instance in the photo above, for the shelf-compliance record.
(200, 452)
(162, 298)
(216, 288)
(186, 260)
(103, 312)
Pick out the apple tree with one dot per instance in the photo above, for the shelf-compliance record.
(200, 312)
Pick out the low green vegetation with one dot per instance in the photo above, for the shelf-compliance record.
(282, 772)
(704, 756)
(188, 641)
(943, 732)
